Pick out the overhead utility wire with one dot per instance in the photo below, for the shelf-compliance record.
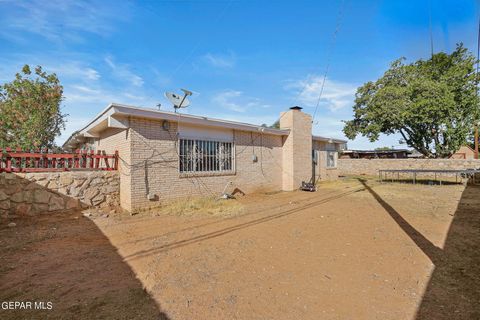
(329, 54)
(197, 45)
(478, 47)
(199, 42)
(430, 26)
(332, 44)
(476, 142)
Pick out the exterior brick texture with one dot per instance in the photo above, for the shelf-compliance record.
(154, 165)
(149, 161)
(111, 140)
(322, 173)
(297, 149)
(371, 166)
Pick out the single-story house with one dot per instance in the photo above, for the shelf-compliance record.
(375, 154)
(165, 155)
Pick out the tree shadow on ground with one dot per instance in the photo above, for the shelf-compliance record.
(65, 259)
(453, 291)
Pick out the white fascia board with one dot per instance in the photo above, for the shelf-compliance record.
(90, 135)
(124, 111)
(190, 119)
(320, 138)
(101, 118)
(74, 137)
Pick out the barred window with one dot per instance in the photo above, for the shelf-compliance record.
(331, 159)
(205, 156)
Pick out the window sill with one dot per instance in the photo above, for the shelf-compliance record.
(332, 168)
(207, 174)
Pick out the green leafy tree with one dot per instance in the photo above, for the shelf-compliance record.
(30, 115)
(432, 103)
(276, 125)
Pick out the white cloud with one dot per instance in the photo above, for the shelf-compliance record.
(336, 95)
(220, 60)
(59, 20)
(74, 69)
(123, 72)
(68, 69)
(236, 101)
(76, 94)
(224, 100)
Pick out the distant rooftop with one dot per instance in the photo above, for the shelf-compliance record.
(378, 151)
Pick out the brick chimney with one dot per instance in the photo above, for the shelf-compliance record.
(297, 148)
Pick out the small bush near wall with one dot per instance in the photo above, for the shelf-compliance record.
(371, 166)
(34, 193)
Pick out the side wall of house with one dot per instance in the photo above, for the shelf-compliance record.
(111, 140)
(321, 170)
(154, 165)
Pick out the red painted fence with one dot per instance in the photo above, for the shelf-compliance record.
(24, 161)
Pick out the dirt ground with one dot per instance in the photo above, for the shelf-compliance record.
(352, 250)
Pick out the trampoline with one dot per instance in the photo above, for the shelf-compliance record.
(394, 174)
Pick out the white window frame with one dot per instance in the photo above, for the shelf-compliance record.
(215, 164)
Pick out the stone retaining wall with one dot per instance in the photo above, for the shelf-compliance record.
(34, 193)
(371, 166)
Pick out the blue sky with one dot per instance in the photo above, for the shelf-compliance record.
(245, 60)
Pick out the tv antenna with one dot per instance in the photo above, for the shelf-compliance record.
(177, 100)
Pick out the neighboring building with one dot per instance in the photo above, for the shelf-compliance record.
(465, 152)
(414, 154)
(165, 155)
(375, 154)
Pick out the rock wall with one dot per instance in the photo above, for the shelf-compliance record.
(34, 193)
(371, 166)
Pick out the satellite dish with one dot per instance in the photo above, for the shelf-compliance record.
(179, 101)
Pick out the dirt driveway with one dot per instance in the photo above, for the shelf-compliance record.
(352, 250)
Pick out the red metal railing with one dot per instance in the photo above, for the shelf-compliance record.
(25, 161)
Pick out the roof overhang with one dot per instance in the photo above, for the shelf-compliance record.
(118, 115)
(329, 140)
(377, 151)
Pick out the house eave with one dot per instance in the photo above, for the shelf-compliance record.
(329, 140)
(192, 119)
(117, 115)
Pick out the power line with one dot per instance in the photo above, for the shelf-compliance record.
(330, 50)
(478, 48)
(475, 137)
(329, 54)
(197, 44)
(430, 26)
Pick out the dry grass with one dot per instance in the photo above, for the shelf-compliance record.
(201, 205)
